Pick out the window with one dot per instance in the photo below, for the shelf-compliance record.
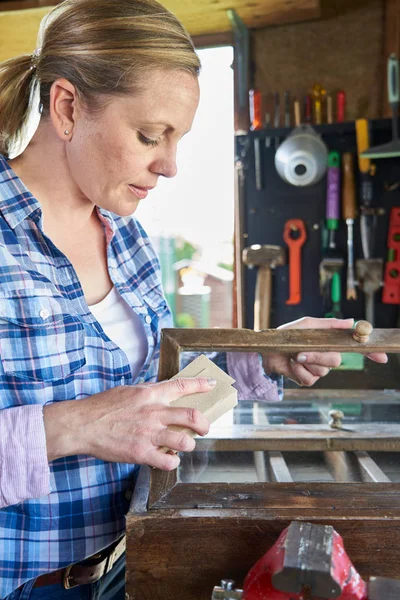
(191, 218)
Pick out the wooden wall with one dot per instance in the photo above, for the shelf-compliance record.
(341, 51)
(18, 31)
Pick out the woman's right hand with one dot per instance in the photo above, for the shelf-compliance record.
(127, 424)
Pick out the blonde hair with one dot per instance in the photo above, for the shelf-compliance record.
(103, 47)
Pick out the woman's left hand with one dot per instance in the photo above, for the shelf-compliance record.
(307, 367)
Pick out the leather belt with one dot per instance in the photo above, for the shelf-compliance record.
(89, 570)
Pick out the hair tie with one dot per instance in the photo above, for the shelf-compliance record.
(34, 56)
(18, 142)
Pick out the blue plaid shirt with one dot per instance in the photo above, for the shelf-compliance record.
(52, 349)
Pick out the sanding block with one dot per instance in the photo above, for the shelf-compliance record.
(213, 404)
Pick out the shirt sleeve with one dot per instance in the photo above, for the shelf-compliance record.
(24, 467)
(251, 381)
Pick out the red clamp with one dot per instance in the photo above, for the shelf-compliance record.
(391, 283)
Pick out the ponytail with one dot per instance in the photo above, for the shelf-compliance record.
(16, 77)
(101, 47)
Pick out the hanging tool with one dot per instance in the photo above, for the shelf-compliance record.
(329, 266)
(265, 258)
(258, 164)
(277, 115)
(332, 261)
(350, 360)
(368, 216)
(295, 237)
(318, 93)
(307, 109)
(349, 210)
(391, 284)
(255, 102)
(267, 126)
(336, 296)
(340, 106)
(307, 562)
(329, 109)
(333, 197)
(287, 109)
(392, 149)
(297, 113)
(302, 159)
(369, 278)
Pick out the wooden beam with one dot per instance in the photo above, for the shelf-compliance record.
(286, 341)
(308, 438)
(278, 468)
(209, 17)
(26, 4)
(369, 469)
(341, 467)
(352, 497)
(213, 40)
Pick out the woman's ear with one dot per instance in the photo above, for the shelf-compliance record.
(63, 105)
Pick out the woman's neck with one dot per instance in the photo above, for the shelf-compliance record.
(43, 168)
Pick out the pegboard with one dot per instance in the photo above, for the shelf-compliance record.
(265, 213)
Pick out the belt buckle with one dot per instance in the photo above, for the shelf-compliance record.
(67, 577)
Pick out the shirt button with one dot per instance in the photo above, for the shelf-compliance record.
(148, 319)
(44, 314)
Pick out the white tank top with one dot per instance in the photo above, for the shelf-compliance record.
(124, 327)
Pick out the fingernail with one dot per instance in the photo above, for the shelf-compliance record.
(212, 382)
(302, 358)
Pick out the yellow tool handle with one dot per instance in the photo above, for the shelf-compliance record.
(349, 208)
(318, 112)
(364, 164)
(329, 109)
(297, 113)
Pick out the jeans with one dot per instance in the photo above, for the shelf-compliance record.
(110, 587)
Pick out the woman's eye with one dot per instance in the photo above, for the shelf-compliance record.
(147, 141)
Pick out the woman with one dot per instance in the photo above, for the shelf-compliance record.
(88, 124)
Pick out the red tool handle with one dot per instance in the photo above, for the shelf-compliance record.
(295, 236)
(391, 281)
(307, 109)
(340, 106)
(255, 100)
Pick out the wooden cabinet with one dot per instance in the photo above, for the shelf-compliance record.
(262, 467)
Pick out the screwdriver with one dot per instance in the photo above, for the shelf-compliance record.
(287, 108)
(368, 221)
(333, 195)
(341, 106)
(277, 115)
(297, 113)
(255, 100)
(349, 210)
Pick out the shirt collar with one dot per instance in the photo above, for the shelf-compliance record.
(16, 201)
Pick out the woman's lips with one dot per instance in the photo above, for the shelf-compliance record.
(141, 193)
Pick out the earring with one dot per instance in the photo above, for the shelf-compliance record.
(66, 132)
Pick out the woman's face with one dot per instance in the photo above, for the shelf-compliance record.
(117, 156)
